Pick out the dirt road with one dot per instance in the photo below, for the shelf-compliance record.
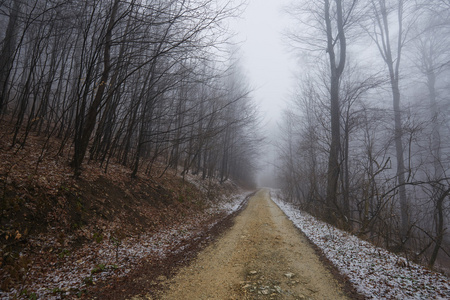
(263, 256)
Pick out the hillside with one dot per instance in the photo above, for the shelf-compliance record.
(374, 272)
(61, 235)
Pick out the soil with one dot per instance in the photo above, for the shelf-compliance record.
(50, 220)
(263, 256)
(150, 278)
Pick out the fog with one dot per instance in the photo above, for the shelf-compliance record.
(356, 131)
(365, 136)
(269, 65)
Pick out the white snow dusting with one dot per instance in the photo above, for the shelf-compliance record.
(375, 272)
(71, 273)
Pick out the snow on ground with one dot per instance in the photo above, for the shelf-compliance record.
(228, 204)
(231, 204)
(69, 273)
(375, 272)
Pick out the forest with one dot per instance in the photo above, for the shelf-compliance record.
(118, 120)
(365, 137)
(121, 120)
(131, 81)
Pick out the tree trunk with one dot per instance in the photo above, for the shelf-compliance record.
(7, 53)
(384, 46)
(336, 69)
(94, 108)
(346, 174)
(404, 226)
(439, 226)
(439, 194)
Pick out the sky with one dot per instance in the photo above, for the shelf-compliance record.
(265, 57)
(269, 67)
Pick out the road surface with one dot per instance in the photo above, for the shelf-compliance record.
(263, 256)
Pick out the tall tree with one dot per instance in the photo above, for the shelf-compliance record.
(336, 49)
(328, 24)
(8, 51)
(82, 140)
(431, 57)
(390, 47)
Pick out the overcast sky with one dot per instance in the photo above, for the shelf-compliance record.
(265, 57)
(268, 66)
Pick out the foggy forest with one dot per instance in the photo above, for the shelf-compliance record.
(152, 96)
(364, 138)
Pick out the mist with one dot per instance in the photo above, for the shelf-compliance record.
(342, 105)
(365, 135)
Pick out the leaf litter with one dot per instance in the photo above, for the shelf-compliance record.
(66, 274)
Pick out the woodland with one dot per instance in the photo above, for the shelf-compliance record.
(121, 118)
(365, 138)
(109, 111)
(129, 81)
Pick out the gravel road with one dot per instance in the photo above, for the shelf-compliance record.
(263, 256)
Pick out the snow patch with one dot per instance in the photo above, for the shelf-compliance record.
(375, 272)
(60, 275)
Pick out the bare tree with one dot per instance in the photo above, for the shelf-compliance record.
(390, 47)
(122, 80)
(430, 55)
(336, 45)
(8, 50)
(328, 23)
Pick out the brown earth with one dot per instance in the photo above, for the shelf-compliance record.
(150, 276)
(263, 256)
(48, 219)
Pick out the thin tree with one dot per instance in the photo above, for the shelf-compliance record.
(7, 53)
(431, 58)
(336, 49)
(390, 48)
(82, 142)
